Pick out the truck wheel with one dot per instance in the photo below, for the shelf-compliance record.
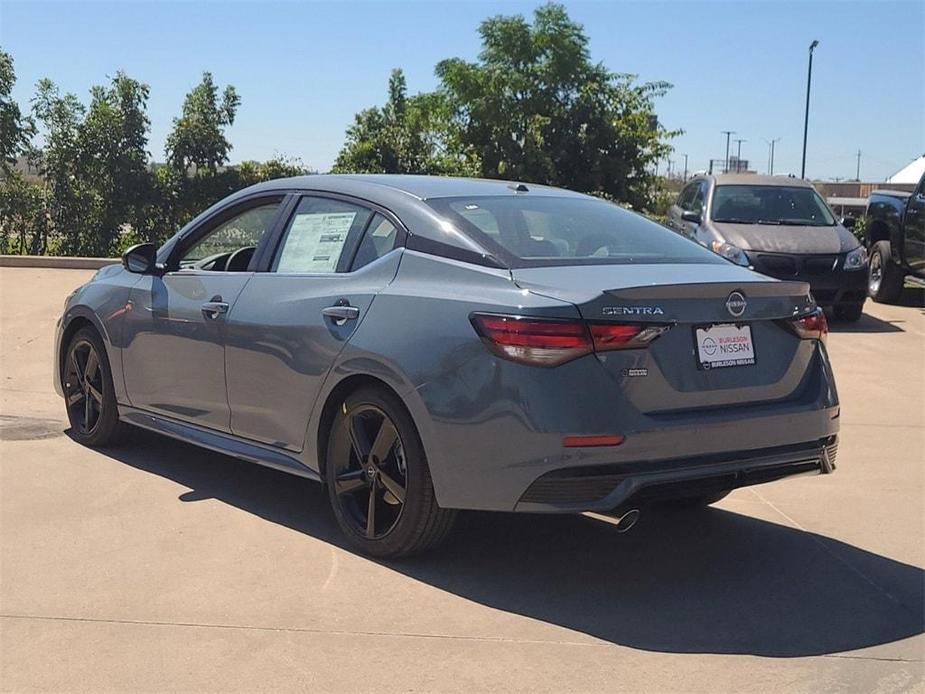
(884, 278)
(848, 312)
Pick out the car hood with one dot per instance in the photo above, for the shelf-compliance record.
(787, 239)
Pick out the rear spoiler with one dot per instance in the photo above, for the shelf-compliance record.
(712, 290)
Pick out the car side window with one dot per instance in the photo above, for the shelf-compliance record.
(231, 244)
(686, 196)
(699, 197)
(378, 240)
(317, 234)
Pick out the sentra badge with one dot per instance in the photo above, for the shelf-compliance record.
(632, 311)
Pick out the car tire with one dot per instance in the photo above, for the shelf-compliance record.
(848, 312)
(375, 465)
(89, 395)
(884, 278)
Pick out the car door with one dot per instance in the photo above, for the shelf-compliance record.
(173, 356)
(291, 321)
(681, 204)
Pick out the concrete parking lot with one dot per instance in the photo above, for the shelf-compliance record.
(164, 567)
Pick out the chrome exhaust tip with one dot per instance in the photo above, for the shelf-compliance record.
(624, 521)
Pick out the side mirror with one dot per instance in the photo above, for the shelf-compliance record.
(141, 259)
(690, 216)
(849, 222)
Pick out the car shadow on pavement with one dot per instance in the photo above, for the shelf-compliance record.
(707, 581)
(865, 324)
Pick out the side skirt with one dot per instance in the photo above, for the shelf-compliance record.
(217, 441)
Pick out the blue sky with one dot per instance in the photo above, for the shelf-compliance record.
(304, 68)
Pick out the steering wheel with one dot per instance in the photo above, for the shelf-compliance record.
(240, 259)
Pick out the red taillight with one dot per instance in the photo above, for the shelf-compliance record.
(553, 341)
(539, 341)
(812, 326)
(623, 336)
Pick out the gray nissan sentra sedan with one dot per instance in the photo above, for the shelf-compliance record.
(423, 344)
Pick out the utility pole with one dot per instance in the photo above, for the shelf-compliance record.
(857, 175)
(685, 166)
(771, 158)
(728, 134)
(809, 82)
(739, 154)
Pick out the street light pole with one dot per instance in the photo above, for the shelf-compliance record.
(739, 154)
(685, 166)
(728, 134)
(809, 82)
(771, 159)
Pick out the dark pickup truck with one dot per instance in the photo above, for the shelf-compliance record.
(895, 237)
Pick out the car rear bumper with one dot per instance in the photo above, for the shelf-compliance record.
(610, 487)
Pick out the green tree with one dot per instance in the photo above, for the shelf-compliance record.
(23, 223)
(198, 138)
(62, 165)
(16, 129)
(535, 107)
(406, 135)
(112, 141)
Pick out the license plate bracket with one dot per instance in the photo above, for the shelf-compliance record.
(724, 345)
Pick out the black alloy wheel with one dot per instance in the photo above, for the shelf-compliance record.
(89, 394)
(370, 483)
(83, 387)
(378, 478)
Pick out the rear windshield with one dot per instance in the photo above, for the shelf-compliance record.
(532, 231)
(770, 205)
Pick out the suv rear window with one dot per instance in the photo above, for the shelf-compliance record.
(532, 231)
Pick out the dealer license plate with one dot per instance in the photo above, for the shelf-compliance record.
(723, 345)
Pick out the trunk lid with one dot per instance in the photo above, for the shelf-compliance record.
(667, 378)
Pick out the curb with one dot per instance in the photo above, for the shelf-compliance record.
(54, 261)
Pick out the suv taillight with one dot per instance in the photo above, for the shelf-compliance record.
(812, 326)
(554, 341)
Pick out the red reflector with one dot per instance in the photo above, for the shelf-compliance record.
(581, 441)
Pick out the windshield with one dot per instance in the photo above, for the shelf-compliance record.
(530, 231)
(748, 204)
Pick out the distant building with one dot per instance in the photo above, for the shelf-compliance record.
(737, 165)
(910, 174)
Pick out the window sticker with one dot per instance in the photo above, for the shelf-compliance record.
(315, 241)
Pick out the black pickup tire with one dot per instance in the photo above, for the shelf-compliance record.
(848, 312)
(884, 277)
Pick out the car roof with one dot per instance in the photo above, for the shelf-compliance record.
(420, 187)
(743, 179)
